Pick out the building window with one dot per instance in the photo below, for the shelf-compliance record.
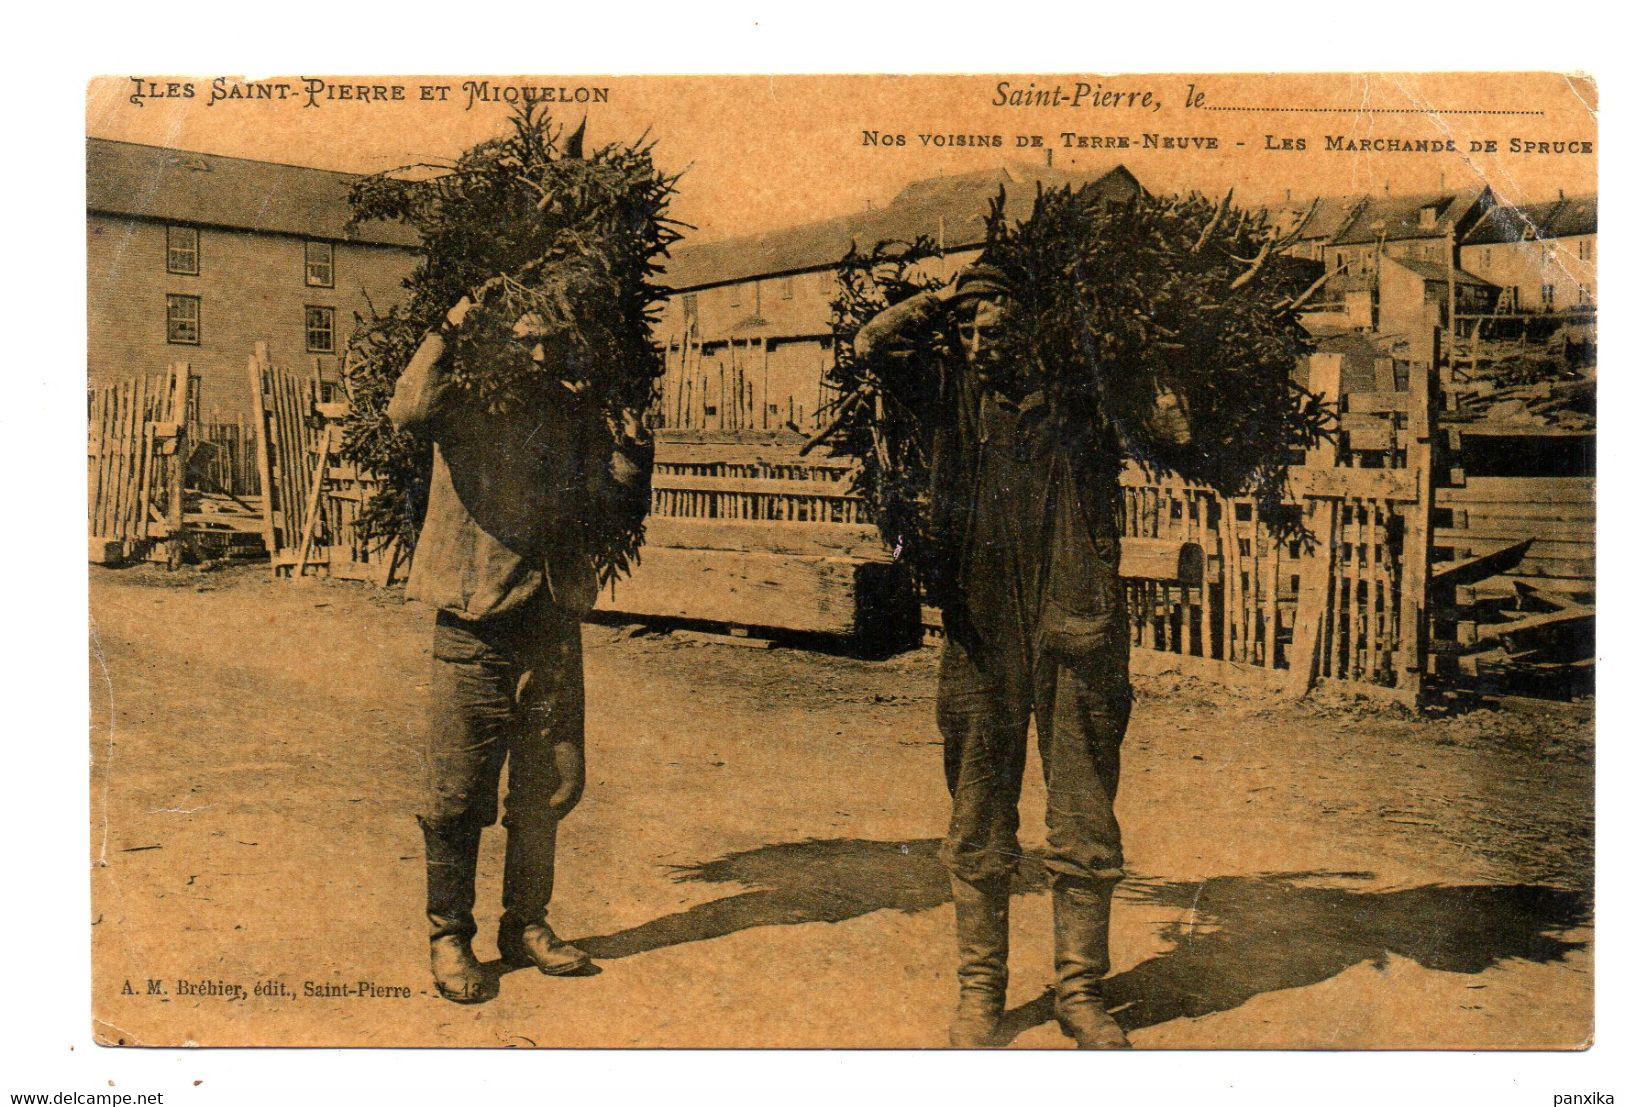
(1585, 295)
(733, 295)
(182, 253)
(1488, 258)
(319, 264)
(1548, 296)
(319, 329)
(185, 316)
(1584, 249)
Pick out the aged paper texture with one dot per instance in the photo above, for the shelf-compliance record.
(667, 561)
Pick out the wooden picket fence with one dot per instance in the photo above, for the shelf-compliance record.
(313, 498)
(1345, 603)
(137, 454)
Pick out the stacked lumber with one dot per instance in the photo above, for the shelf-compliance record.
(1517, 595)
(750, 535)
(1546, 406)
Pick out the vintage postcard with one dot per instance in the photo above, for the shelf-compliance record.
(997, 561)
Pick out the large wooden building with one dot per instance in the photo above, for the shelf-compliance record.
(746, 334)
(1543, 257)
(196, 257)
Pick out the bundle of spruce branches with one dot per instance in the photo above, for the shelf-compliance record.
(886, 411)
(555, 248)
(1113, 305)
(1117, 302)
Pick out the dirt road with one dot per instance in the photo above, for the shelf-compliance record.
(754, 863)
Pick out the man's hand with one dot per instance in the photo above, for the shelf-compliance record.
(570, 760)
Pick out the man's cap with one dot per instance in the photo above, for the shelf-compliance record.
(982, 282)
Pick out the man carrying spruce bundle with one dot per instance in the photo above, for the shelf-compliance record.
(1023, 508)
(502, 557)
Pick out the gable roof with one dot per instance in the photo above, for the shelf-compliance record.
(1434, 271)
(1329, 215)
(180, 186)
(951, 209)
(1385, 218)
(1554, 219)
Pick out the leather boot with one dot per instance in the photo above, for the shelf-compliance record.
(525, 938)
(1082, 923)
(451, 857)
(982, 920)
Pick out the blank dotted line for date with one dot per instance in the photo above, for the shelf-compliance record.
(1388, 111)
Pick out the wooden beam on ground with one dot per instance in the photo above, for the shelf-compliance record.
(825, 595)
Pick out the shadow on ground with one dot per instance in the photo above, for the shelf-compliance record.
(1237, 937)
(1247, 935)
(828, 880)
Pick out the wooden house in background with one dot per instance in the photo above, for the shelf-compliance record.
(196, 257)
(746, 333)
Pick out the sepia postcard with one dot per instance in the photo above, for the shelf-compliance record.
(988, 561)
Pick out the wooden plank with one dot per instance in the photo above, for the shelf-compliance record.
(1371, 438)
(1314, 577)
(1496, 514)
(828, 595)
(822, 489)
(1272, 599)
(135, 493)
(1413, 634)
(1170, 560)
(98, 446)
(1373, 403)
(1543, 621)
(1398, 485)
(124, 404)
(1449, 574)
(175, 506)
(313, 505)
(1576, 538)
(1508, 588)
(262, 446)
(1338, 621)
(768, 536)
(1522, 490)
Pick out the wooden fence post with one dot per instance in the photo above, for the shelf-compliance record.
(175, 508)
(258, 366)
(1414, 644)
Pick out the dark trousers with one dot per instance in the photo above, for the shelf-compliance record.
(986, 696)
(504, 691)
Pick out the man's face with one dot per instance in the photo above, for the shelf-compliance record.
(981, 325)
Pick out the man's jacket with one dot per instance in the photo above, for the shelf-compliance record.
(511, 493)
(1077, 540)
